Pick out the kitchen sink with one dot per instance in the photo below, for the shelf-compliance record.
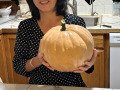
(90, 20)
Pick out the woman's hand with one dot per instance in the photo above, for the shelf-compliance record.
(87, 64)
(41, 57)
(47, 65)
(34, 62)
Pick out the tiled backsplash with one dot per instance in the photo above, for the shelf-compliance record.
(100, 6)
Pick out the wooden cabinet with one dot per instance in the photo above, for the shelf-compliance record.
(96, 79)
(3, 66)
(7, 67)
(9, 46)
(99, 78)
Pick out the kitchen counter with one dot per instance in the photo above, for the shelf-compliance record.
(8, 31)
(101, 40)
(44, 87)
(93, 31)
(113, 21)
(104, 31)
(101, 71)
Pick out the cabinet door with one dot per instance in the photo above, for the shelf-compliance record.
(96, 79)
(9, 45)
(3, 66)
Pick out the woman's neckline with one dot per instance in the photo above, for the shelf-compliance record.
(38, 26)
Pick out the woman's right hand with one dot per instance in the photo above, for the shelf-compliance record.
(34, 62)
(38, 59)
(45, 63)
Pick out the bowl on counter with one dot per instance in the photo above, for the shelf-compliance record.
(4, 13)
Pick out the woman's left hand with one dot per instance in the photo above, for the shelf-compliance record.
(87, 64)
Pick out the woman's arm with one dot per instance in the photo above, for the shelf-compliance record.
(34, 62)
(22, 61)
(21, 51)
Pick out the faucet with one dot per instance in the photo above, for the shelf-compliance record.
(92, 13)
(92, 10)
(73, 6)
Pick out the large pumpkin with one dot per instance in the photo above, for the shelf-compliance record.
(67, 47)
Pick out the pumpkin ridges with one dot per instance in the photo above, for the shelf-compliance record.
(43, 42)
(49, 44)
(82, 44)
(87, 37)
(73, 44)
(67, 42)
(63, 60)
(46, 44)
(77, 41)
(68, 55)
(82, 30)
(88, 34)
(62, 42)
(57, 39)
(60, 65)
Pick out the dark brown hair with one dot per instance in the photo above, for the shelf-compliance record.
(61, 8)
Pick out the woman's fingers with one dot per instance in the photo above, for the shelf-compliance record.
(87, 64)
(79, 70)
(47, 65)
(40, 55)
(90, 62)
(93, 58)
(41, 58)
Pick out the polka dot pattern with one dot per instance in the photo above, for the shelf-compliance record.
(27, 44)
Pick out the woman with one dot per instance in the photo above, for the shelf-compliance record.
(28, 61)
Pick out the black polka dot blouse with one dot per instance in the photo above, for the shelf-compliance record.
(28, 38)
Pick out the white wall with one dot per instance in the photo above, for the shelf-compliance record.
(100, 6)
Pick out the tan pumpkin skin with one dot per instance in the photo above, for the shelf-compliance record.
(67, 50)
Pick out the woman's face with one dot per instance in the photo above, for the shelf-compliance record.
(45, 5)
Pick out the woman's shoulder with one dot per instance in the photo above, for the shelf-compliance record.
(73, 19)
(26, 25)
(27, 21)
(72, 16)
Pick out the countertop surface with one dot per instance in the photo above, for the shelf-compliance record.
(10, 25)
(44, 87)
(93, 31)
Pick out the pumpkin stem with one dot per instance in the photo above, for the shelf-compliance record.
(63, 25)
